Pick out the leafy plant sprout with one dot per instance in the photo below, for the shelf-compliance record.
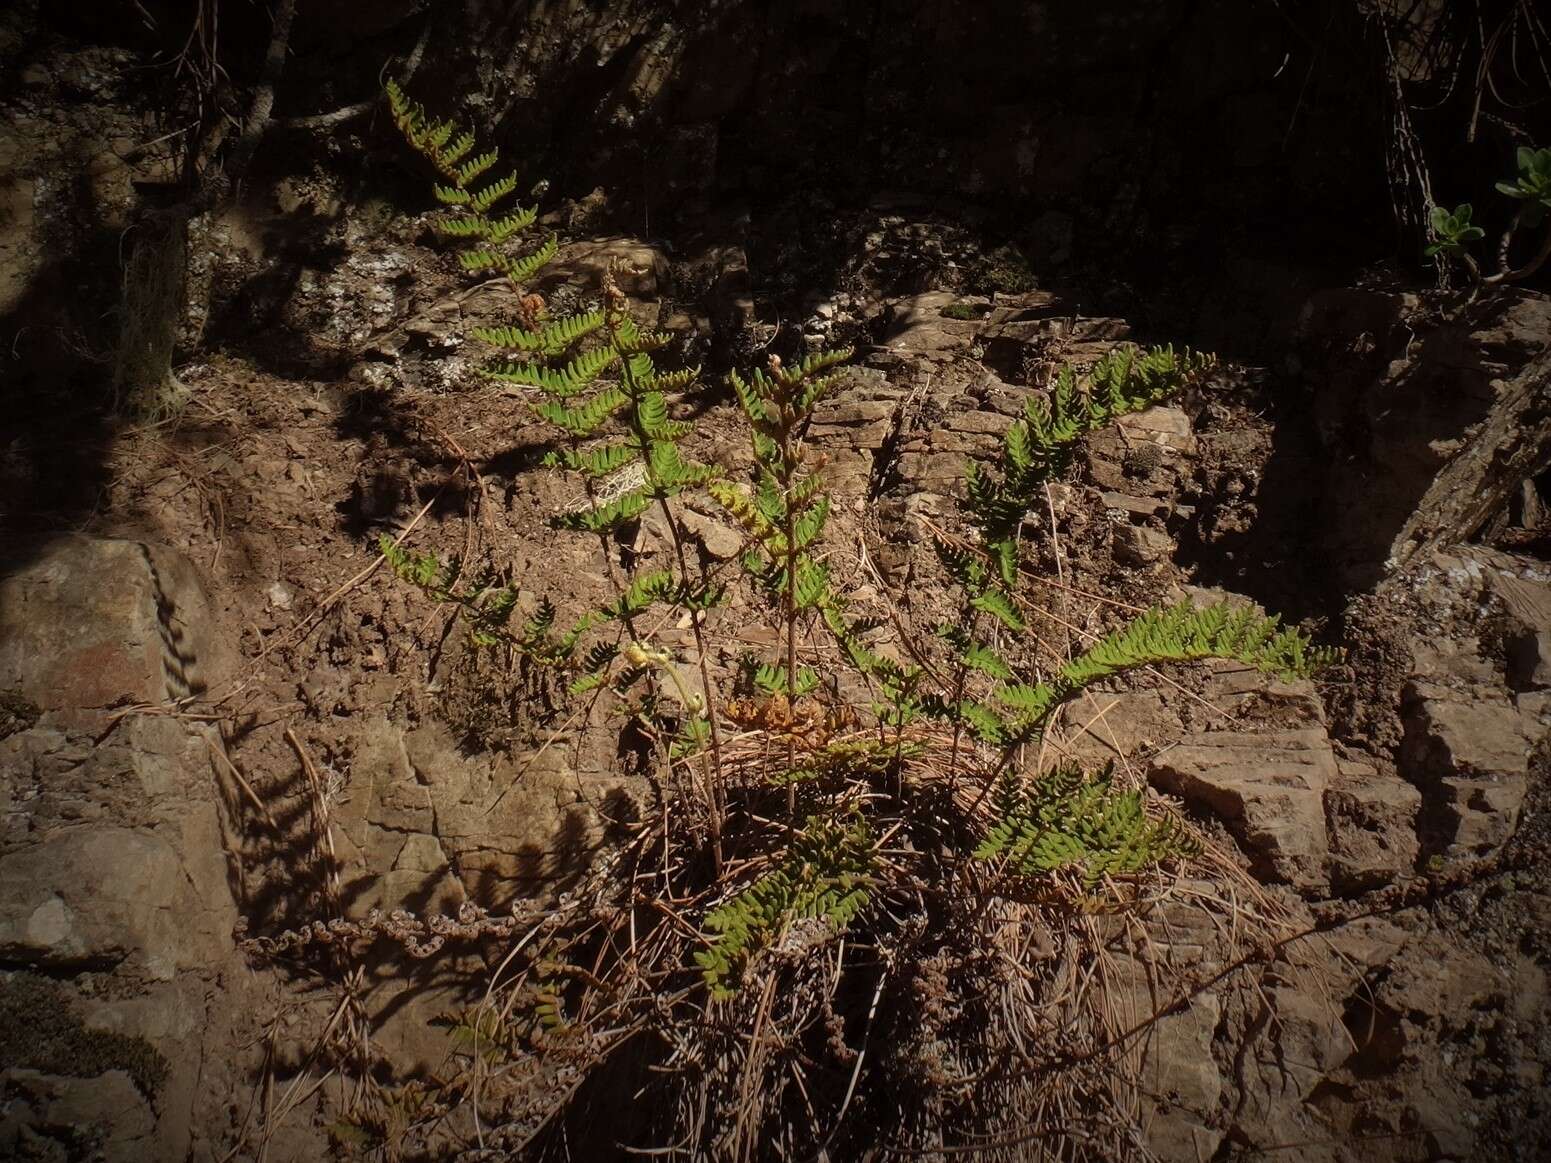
(1453, 231)
(1531, 188)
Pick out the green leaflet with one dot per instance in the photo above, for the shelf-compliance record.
(598, 461)
(772, 679)
(987, 661)
(605, 517)
(481, 260)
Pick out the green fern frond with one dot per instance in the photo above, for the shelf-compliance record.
(812, 588)
(451, 156)
(674, 381)
(519, 270)
(1033, 703)
(999, 605)
(489, 195)
(523, 269)
(576, 376)
(737, 504)
(605, 517)
(594, 462)
(670, 473)
(1185, 633)
(1180, 633)
(551, 339)
(813, 365)
(1063, 820)
(503, 228)
(464, 227)
(583, 419)
(652, 415)
(771, 679)
(989, 727)
(982, 658)
(634, 341)
(824, 876)
(694, 737)
(468, 171)
(1039, 446)
(656, 586)
(494, 231)
(810, 526)
(753, 406)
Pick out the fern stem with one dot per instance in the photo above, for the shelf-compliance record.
(789, 529)
(715, 777)
(960, 681)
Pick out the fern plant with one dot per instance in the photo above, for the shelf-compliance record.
(785, 514)
(785, 517)
(593, 374)
(787, 511)
(717, 898)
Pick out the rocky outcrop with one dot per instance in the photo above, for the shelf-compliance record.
(113, 878)
(1434, 423)
(420, 825)
(1371, 823)
(1470, 752)
(1269, 787)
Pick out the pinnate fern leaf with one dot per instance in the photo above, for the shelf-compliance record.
(1065, 820)
(824, 876)
(563, 382)
(551, 339)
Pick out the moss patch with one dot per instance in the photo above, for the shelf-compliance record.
(40, 1031)
(1004, 271)
(17, 712)
(961, 310)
